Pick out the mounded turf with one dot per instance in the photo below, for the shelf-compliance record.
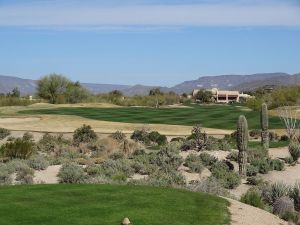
(108, 205)
(211, 116)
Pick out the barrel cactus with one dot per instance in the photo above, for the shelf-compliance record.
(264, 123)
(242, 144)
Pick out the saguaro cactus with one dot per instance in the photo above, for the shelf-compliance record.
(264, 123)
(242, 143)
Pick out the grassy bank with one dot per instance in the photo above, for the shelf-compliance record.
(108, 204)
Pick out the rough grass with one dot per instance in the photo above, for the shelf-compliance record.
(107, 204)
(210, 116)
(272, 144)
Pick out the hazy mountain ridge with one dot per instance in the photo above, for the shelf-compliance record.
(228, 82)
(231, 82)
(26, 86)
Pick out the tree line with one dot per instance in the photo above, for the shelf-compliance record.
(57, 89)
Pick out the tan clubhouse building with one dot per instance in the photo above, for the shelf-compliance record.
(224, 96)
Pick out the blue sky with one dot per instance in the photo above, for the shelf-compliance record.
(148, 41)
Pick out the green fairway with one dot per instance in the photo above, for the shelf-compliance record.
(108, 205)
(212, 116)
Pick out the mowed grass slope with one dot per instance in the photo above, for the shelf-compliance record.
(108, 205)
(210, 116)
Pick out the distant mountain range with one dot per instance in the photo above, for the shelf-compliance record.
(228, 82)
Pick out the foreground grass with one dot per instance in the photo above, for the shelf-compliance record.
(108, 205)
(211, 116)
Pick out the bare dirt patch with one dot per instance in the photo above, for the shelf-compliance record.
(65, 124)
(47, 176)
(242, 214)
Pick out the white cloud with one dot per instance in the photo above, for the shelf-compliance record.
(150, 15)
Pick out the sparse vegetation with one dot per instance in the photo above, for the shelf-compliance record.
(4, 133)
(71, 173)
(84, 134)
(253, 197)
(18, 148)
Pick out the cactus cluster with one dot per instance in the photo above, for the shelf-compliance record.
(264, 122)
(242, 143)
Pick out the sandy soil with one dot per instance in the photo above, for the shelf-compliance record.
(289, 176)
(242, 214)
(47, 176)
(240, 190)
(279, 152)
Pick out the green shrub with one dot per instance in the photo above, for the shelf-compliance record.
(119, 177)
(5, 175)
(277, 164)
(118, 135)
(194, 163)
(157, 138)
(24, 175)
(28, 136)
(291, 217)
(84, 134)
(229, 179)
(275, 191)
(283, 205)
(15, 101)
(166, 177)
(263, 165)
(254, 134)
(273, 136)
(255, 180)
(212, 144)
(224, 145)
(210, 185)
(294, 193)
(254, 198)
(18, 148)
(15, 165)
(254, 154)
(52, 143)
(294, 149)
(38, 162)
(188, 145)
(178, 139)
(207, 159)
(284, 138)
(233, 156)
(117, 155)
(141, 136)
(4, 133)
(94, 170)
(141, 163)
(168, 157)
(71, 173)
(111, 167)
(289, 160)
(252, 170)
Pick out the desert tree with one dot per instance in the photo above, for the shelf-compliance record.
(156, 92)
(289, 119)
(50, 87)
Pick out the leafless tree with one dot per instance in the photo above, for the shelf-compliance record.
(288, 117)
